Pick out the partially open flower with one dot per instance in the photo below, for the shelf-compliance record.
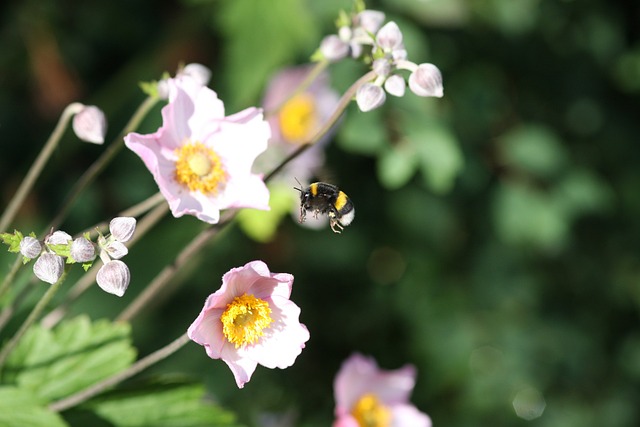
(49, 267)
(90, 124)
(368, 396)
(30, 247)
(250, 320)
(113, 277)
(200, 159)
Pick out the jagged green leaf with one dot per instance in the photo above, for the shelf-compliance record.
(77, 353)
(20, 408)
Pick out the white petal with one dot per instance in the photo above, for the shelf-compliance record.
(116, 249)
(426, 81)
(369, 97)
(49, 268)
(82, 250)
(30, 247)
(198, 72)
(395, 85)
(122, 228)
(90, 124)
(114, 277)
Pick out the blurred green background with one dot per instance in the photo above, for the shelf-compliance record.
(496, 239)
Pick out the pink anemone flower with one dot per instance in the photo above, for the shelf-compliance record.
(200, 159)
(250, 320)
(368, 396)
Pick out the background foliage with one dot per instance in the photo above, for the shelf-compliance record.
(495, 244)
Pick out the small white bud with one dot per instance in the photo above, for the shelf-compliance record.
(370, 97)
(58, 238)
(333, 48)
(30, 247)
(82, 250)
(389, 37)
(426, 81)
(122, 228)
(370, 20)
(395, 85)
(113, 277)
(198, 72)
(381, 67)
(90, 124)
(49, 268)
(116, 249)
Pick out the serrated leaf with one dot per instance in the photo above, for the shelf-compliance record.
(396, 166)
(76, 354)
(20, 408)
(168, 405)
(12, 240)
(261, 35)
(439, 155)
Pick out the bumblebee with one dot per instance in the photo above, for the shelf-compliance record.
(323, 198)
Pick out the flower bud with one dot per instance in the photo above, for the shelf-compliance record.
(49, 268)
(334, 49)
(426, 80)
(90, 124)
(370, 20)
(113, 277)
(389, 37)
(82, 250)
(198, 72)
(116, 249)
(395, 85)
(30, 247)
(58, 238)
(369, 97)
(381, 67)
(122, 228)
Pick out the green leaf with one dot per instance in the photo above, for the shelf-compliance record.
(262, 225)
(396, 166)
(167, 405)
(20, 408)
(78, 353)
(534, 149)
(260, 36)
(439, 155)
(12, 240)
(363, 133)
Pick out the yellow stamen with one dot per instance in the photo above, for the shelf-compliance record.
(199, 168)
(370, 412)
(245, 319)
(298, 118)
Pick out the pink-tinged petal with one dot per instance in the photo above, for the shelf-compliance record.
(245, 192)
(346, 421)
(241, 367)
(405, 415)
(197, 204)
(206, 330)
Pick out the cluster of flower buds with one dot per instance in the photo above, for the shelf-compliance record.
(362, 35)
(59, 248)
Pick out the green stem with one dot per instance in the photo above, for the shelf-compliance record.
(92, 172)
(4, 287)
(33, 174)
(35, 313)
(137, 367)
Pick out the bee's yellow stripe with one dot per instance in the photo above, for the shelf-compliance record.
(314, 189)
(341, 200)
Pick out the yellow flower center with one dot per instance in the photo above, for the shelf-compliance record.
(245, 319)
(199, 168)
(298, 118)
(370, 412)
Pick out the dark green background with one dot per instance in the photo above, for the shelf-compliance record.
(519, 270)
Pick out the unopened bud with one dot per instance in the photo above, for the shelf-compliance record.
(389, 37)
(82, 250)
(370, 20)
(333, 48)
(58, 238)
(90, 124)
(30, 247)
(122, 228)
(426, 80)
(395, 85)
(381, 67)
(114, 277)
(198, 72)
(49, 268)
(369, 97)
